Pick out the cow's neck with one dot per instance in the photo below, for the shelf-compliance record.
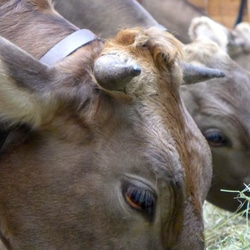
(36, 30)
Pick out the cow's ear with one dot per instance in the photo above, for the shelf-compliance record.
(24, 86)
(239, 41)
(204, 27)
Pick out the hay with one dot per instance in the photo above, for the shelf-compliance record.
(225, 230)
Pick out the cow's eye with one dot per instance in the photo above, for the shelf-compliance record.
(215, 138)
(140, 198)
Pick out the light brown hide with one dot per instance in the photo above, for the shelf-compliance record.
(63, 174)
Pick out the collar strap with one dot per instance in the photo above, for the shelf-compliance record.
(62, 49)
(68, 45)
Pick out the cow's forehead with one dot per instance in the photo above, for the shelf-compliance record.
(151, 146)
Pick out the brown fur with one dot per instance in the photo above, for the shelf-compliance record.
(33, 29)
(162, 46)
(62, 185)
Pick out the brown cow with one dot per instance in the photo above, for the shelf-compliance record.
(89, 168)
(234, 179)
(220, 108)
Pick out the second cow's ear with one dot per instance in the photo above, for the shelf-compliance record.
(204, 27)
(239, 40)
(25, 95)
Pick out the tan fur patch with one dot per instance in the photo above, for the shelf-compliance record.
(162, 46)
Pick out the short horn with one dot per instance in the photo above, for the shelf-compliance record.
(193, 73)
(113, 73)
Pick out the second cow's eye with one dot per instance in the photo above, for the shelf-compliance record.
(216, 138)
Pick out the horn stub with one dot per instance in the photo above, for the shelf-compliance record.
(113, 73)
(194, 74)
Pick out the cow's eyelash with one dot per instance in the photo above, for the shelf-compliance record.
(140, 199)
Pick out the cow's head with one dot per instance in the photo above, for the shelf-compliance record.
(90, 168)
(220, 109)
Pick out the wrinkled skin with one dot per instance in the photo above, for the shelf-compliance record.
(220, 109)
(90, 168)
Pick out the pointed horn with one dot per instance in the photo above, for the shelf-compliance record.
(113, 73)
(193, 73)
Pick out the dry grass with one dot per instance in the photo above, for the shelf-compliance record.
(227, 231)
